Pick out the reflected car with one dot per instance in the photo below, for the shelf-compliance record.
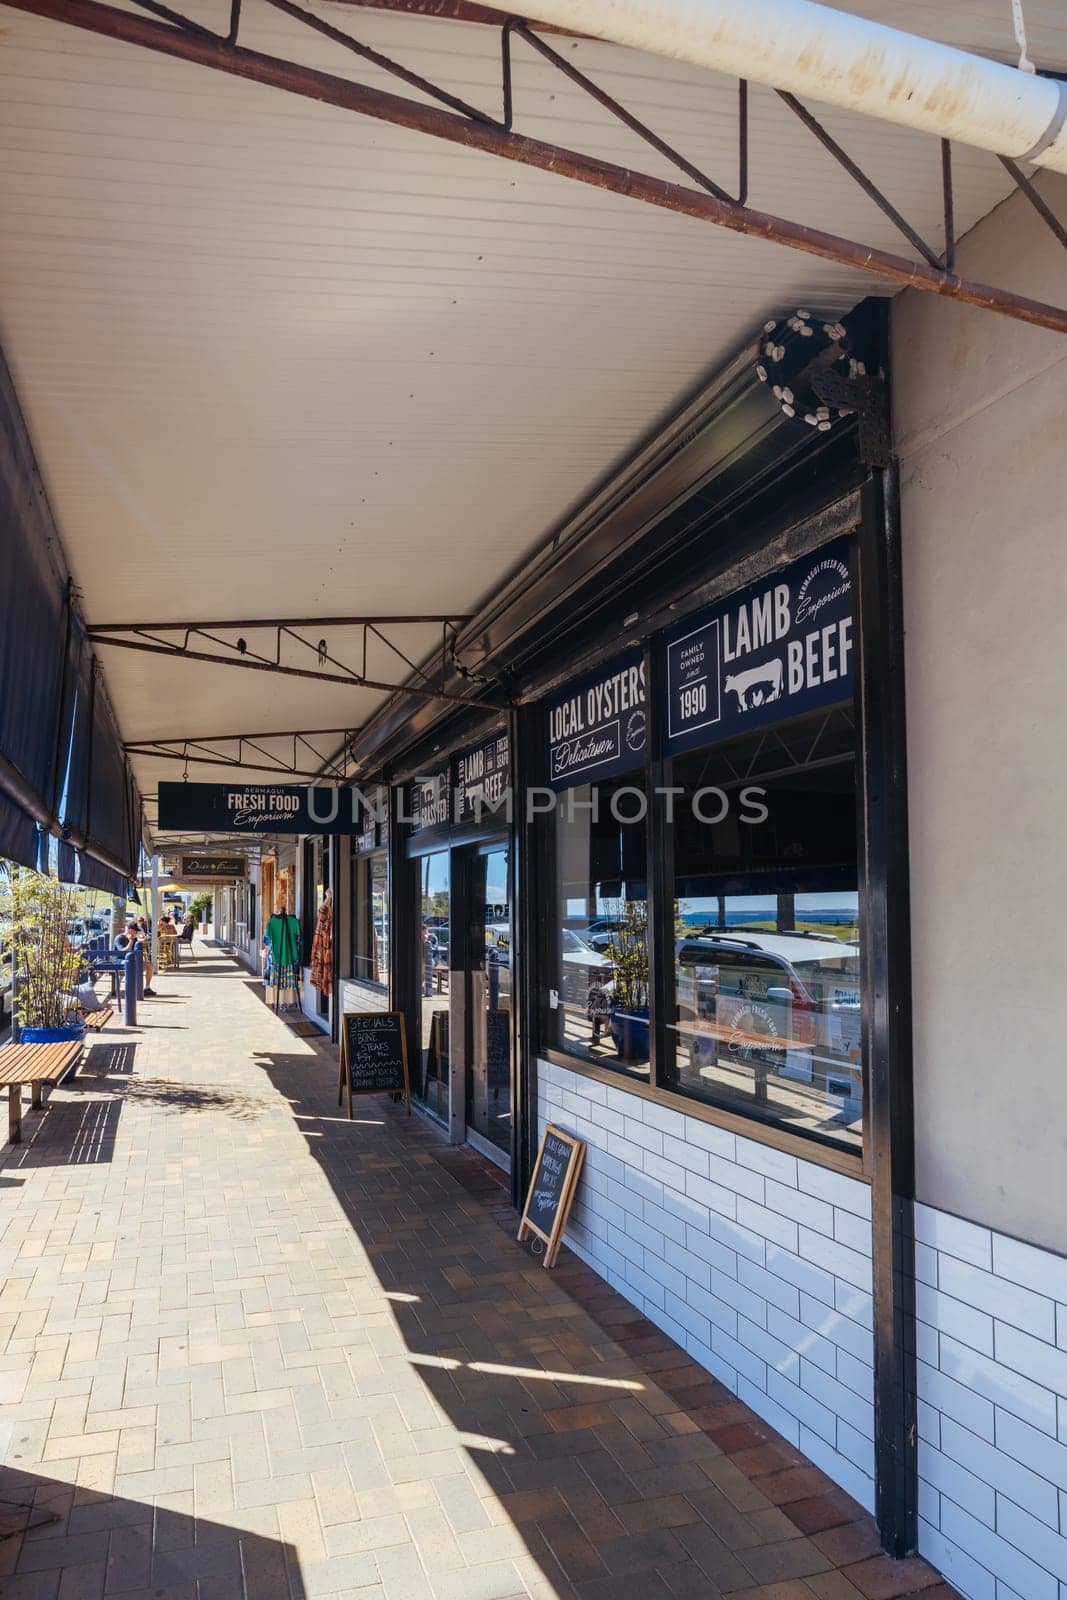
(580, 967)
(780, 1003)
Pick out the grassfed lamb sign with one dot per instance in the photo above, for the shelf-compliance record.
(778, 649)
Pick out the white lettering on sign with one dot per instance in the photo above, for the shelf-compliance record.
(820, 657)
(756, 623)
(603, 701)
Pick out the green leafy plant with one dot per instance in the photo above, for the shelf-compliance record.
(202, 907)
(45, 966)
(628, 954)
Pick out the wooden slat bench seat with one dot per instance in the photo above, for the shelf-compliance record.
(95, 1021)
(37, 1065)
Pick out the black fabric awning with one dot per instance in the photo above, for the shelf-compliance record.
(67, 863)
(18, 833)
(33, 616)
(62, 762)
(94, 875)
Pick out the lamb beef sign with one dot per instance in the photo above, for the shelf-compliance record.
(778, 649)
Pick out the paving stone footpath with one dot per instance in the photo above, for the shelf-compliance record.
(252, 1351)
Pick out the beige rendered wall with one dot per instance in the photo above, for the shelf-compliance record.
(981, 426)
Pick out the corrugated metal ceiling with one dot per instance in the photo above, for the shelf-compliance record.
(278, 359)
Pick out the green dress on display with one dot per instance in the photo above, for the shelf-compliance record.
(282, 939)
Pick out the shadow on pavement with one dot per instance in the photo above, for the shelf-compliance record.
(59, 1537)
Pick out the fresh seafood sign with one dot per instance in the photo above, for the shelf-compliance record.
(777, 649)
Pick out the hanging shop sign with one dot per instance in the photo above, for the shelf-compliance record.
(208, 869)
(429, 802)
(481, 780)
(374, 825)
(266, 809)
(777, 649)
(555, 1178)
(598, 727)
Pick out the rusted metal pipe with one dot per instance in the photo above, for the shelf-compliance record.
(840, 59)
(330, 90)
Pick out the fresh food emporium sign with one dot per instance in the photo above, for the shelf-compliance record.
(278, 808)
(777, 649)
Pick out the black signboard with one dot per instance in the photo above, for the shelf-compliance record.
(259, 808)
(777, 649)
(374, 1055)
(481, 780)
(555, 1178)
(597, 728)
(374, 825)
(201, 869)
(429, 802)
(498, 1049)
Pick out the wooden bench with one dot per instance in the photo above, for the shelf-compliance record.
(96, 1021)
(37, 1065)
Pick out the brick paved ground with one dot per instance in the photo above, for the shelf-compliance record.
(250, 1349)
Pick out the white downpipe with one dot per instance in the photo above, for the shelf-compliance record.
(827, 55)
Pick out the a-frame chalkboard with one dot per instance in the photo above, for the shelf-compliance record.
(374, 1056)
(555, 1178)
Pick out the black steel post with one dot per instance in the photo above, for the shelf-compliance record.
(660, 878)
(405, 958)
(886, 958)
(523, 726)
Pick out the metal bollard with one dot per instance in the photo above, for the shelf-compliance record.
(138, 951)
(130, 1011)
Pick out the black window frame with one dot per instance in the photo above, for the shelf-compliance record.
(657, 776)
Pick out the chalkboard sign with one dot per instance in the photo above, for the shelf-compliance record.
(498, 1049)
(555, 1178)
(374, 1055)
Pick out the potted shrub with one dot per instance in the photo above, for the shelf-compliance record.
(201, 907)
(628, 954)
(45, 965)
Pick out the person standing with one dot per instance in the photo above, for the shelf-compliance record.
(281, 950)
(145, 935)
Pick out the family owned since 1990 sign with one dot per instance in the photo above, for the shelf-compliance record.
(254, 808)
(774, 650)
(597, 729)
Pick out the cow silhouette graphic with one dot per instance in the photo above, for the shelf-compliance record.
(756, 687)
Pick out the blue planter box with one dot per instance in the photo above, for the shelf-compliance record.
(629, 1030)
(65, 1035)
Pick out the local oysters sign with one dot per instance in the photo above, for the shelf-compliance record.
(260, 809)
(598, 727)
(778, 649)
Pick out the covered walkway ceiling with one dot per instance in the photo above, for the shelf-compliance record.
(282, 361)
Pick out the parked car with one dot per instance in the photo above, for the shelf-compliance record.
(782, 1004)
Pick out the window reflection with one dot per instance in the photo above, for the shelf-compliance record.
(433, 956)
(767, 957)
(602, 971)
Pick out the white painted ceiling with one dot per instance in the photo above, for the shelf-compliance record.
(277, 359)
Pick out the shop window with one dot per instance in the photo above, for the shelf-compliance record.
(600, 1003)
(308, 903)
(435, 903)
(370, 918)
(766, 936)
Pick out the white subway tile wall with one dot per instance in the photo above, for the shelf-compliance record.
(756, 1262)
(992, 1407)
